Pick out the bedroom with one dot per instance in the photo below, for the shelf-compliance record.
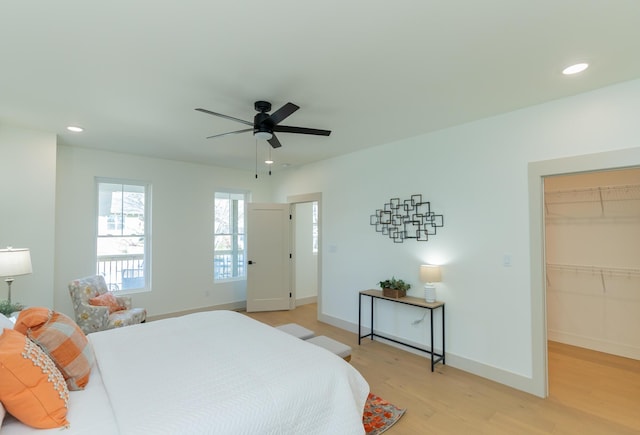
(491, 309)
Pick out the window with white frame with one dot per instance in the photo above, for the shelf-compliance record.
(314, 226)
(123, 233)
(229, 235)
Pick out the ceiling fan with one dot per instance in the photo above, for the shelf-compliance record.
(264, 125)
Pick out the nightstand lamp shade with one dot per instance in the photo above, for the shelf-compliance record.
(14, 262)
(430, 274)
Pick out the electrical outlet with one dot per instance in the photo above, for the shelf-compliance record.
(507, 260)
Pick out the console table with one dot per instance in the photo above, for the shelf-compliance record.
(407, 300)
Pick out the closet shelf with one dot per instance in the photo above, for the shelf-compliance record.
(595, 270)
(593, 194)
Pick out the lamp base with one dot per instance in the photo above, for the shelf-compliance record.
(9, 281)
(429, 293)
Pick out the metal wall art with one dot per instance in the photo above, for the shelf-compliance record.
(408, 219)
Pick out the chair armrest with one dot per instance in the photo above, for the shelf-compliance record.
(91, 318)
(125, 301)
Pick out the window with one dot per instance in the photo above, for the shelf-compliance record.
(229, 236)
(123, 239)
(314, 226)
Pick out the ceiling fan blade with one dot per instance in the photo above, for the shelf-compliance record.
(275, 143)
(283, 112)
(301, 130)
(224, 116)
(231, 132)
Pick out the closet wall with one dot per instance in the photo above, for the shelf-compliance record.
(592, 230)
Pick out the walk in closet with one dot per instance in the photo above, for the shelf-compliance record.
(592, 251)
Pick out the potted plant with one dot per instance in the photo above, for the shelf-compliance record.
(394, 288)
(7, 308)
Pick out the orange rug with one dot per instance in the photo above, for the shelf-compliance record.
(379, 415)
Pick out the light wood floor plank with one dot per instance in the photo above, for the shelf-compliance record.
(591, 393)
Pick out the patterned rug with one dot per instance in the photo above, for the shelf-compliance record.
(379, 415)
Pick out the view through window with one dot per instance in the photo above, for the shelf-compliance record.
(229, 236)
(123, 239)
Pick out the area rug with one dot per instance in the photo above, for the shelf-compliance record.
(379, 415)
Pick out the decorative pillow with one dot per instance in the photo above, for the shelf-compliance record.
(8, 324)
(5, 322)
(107, 300)
(32, 389)
(61, 339)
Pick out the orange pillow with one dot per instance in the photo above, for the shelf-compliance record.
(32, 389)
(107, 300)
(60, 338)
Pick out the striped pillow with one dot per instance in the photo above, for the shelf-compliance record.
(60, 338)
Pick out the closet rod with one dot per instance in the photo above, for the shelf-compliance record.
(593, 194)
(594, 269)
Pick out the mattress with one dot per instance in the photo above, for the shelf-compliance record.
(216, 372)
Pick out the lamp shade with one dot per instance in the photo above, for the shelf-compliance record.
(430, 273)
(15, 262)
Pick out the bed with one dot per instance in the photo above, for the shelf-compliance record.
(217, 372)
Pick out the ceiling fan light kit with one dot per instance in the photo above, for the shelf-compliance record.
(264, 135)
(265, 125)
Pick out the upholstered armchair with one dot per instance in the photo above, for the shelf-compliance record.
(93, 318)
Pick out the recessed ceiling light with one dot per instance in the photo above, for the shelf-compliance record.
(75, 129)
(575, 69)
(269, 162)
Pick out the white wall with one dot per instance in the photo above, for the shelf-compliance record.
(182, 216)
(27, 210)
(306, 275)
(476, 175)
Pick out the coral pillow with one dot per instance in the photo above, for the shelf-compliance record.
(32, 389)
(62, 340)
(107, 300)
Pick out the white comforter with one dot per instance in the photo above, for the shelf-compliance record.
(221, 372)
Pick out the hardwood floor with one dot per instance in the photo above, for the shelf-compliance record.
(591, 393)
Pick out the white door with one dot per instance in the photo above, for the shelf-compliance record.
(268, 257)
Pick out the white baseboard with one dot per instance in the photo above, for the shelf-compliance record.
(234, 306)
(596, 344)
(501, 376)
(308, 300)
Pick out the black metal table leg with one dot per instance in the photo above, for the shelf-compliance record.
(443, 352)
(433, 351)
(359, 316)
(372, 319)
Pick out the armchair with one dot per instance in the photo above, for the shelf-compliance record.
(92, 318)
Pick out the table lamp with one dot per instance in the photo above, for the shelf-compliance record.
(14, 262)
(430, 274)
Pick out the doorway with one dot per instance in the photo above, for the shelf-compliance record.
(537, 171)
(305, 248)
(592, 255)
(307, 233)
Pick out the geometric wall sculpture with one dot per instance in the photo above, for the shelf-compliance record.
(408, 219)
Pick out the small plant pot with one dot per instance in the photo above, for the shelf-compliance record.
(393, 293)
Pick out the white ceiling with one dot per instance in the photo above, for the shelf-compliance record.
(132, 72)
